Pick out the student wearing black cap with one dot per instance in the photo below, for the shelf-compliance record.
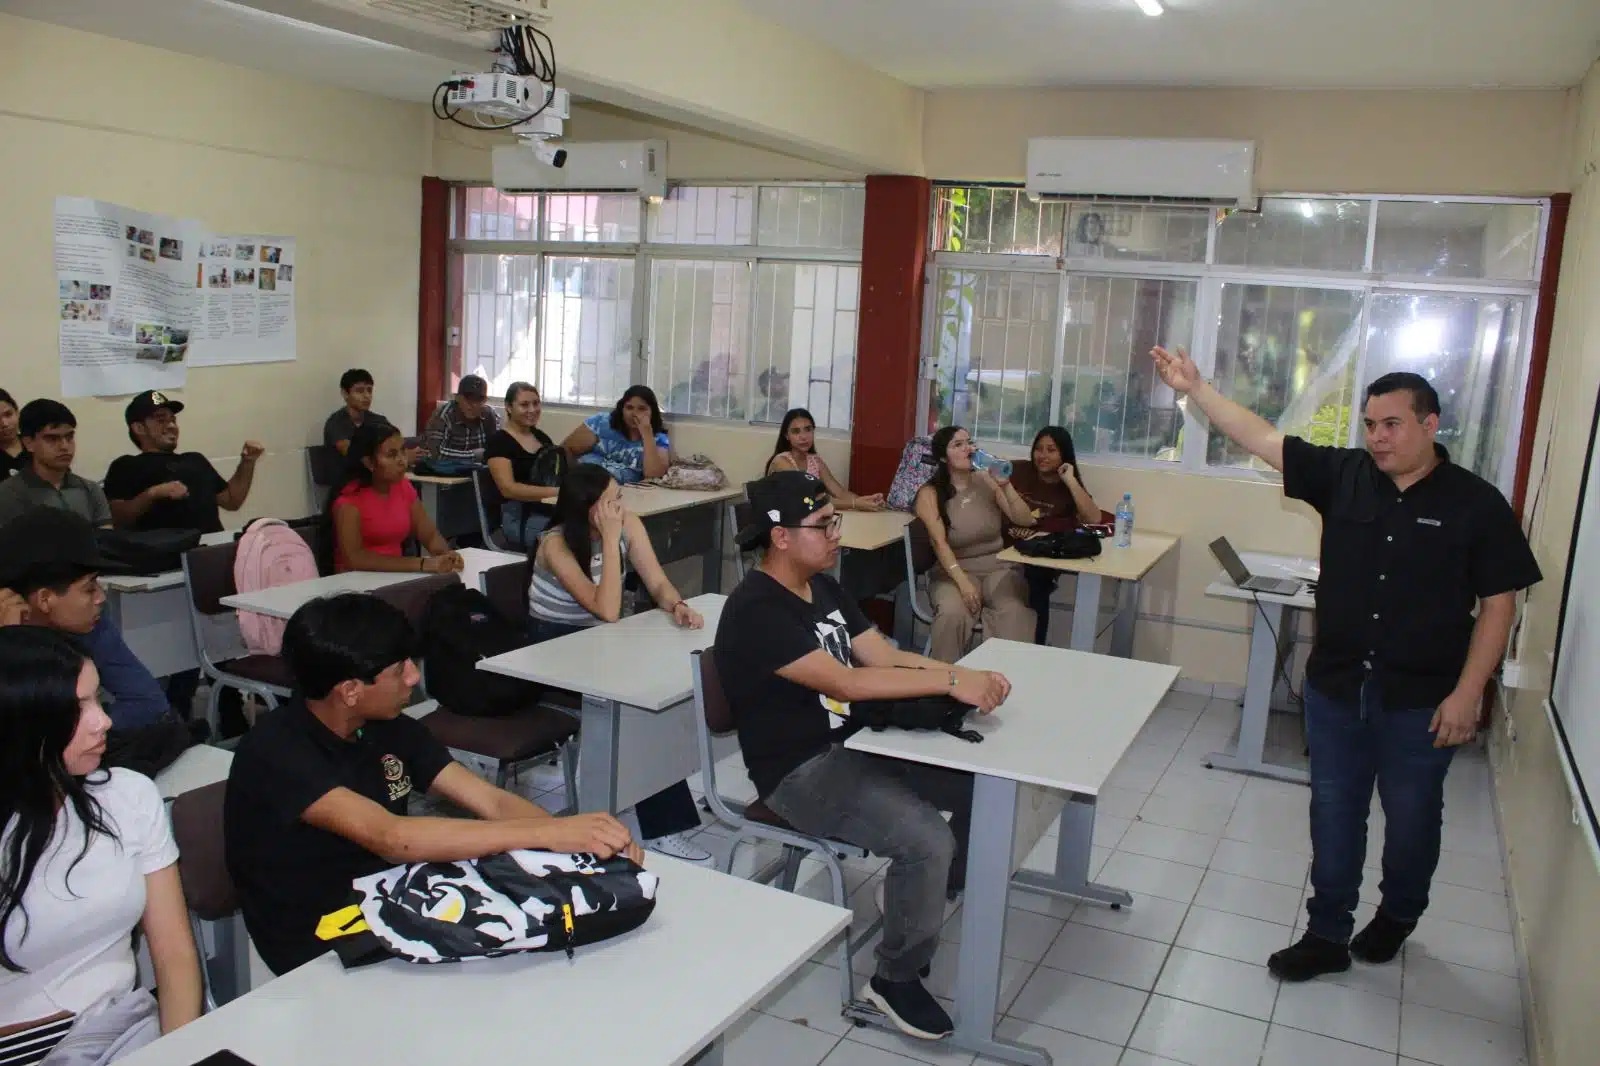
(162, 488)
(460, 430)
(49, 432)
(793, 651)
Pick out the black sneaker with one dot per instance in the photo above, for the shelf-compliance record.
(1311, 957)
(911, 1008)
(1380, 941)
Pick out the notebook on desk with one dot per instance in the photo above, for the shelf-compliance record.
(1240, 573)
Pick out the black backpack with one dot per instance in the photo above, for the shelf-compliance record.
(1065, 544)
(460, 627)
(943, 713)
(549, 466)
(144, 551)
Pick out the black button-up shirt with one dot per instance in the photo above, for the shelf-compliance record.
(1401, 571)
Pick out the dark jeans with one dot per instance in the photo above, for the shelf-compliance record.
(1041, 585)
(1352, 745)
(890, 807)
(672, 810)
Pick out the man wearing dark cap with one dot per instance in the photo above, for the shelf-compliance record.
(460, 429)
(49, 433)
(161, 488)
(793, 651)
(50, 576)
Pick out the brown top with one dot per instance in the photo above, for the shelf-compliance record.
(973, 526)
(1044, 499)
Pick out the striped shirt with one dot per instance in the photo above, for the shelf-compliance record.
(549, 600)
(32, 1045)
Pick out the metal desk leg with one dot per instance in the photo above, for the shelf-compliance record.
(1247, 754)
(1074, 840)
(600, 733)
(1086, 612)
(711, 564)
(1127, 614)
(229, 966)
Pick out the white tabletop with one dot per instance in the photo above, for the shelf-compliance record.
(437, 479)
(642, 661)
(715, 946)
(647, 500)
(165, 580)
(477, 560)
(1268, 564)
(1126, 564)
(870, 530)
(1070, 718)
(201, 765)
(284, 600)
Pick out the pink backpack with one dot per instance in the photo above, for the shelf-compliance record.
(269, 554)
(916, 467)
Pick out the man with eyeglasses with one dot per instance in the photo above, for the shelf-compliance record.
(793, 651)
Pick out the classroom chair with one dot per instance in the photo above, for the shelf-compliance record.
(207, 578)
(738, 517)
(324, 466)
(489, 502)
(754, 821)
(203, 869)
(919, 560)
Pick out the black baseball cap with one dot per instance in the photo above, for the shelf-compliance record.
(783, 498)
(148, 403)
(47, 536)
(37, 415)
(473, 387)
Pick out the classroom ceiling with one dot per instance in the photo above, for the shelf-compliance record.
(1208, 43)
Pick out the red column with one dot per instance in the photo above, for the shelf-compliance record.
(893, 251)
(432, 297)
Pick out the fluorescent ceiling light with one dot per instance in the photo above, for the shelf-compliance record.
(1150, 7)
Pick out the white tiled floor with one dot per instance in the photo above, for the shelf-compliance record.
(1217, 863)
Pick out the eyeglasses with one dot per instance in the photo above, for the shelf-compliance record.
(831, 527)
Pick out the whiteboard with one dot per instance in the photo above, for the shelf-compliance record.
(1575, 691)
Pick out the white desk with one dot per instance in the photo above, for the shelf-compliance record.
(715, 946)
(629, 673)
(1270, 644)
(152, 611)
(684, 524)
(866, 566)
(285, 600)
(477, 560)
(1127, 566)
(198, 767)
(1071, 716)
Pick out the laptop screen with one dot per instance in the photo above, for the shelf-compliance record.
(1230, 561)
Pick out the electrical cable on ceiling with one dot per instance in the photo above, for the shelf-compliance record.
(532, 54)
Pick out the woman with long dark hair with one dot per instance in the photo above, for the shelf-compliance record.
(631, 441)
(796, 450)
(966, 511)
(86, 856)
(1049, 483)
(374, 510)
(513, 453)
(577, 583)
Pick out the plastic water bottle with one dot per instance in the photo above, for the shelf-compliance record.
(1125, 521)
(982, 460)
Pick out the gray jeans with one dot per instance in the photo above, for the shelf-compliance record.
(890, 807)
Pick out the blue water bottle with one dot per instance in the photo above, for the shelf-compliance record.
(1125, 521)
(1000, 468)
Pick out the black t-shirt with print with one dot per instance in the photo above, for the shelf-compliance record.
(765, 627)
(130, 475)
(288, 873)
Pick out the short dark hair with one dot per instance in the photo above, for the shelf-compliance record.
(349, 637)
(353, 377)
(57, 577)
(1424, 399)
(39, 415)
(5, 397)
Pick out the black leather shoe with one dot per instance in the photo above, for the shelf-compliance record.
(1380, 941)
(1311, 957)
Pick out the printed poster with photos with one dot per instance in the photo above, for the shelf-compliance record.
(126, 294)
(246, 301)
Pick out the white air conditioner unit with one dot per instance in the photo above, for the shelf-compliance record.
(1177, 170)
(638, 167)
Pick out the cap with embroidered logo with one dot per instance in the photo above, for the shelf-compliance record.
(148, 403)
(784, 498)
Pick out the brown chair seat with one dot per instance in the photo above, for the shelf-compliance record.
(510, 739)
(266, 669)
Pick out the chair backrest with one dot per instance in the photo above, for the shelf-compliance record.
(713, 701)
(507, 587)
(202, 863)
(715, 718)
(739, 513)
(490, 503)
(208, 573)
(324, 464)
(412, 596)
(919, 560)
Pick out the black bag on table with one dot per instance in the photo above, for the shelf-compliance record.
(943, 713)
(145, 551)
(1066, 544)
(461, 626)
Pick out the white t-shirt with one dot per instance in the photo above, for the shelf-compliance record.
(73, 934)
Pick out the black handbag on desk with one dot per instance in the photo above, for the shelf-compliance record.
(1067, 544)
(145, 551)
(943, 713)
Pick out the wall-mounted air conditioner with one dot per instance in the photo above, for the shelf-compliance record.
(1176, 169)
(639, 167)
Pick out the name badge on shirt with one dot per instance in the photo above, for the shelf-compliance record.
(1430, 522)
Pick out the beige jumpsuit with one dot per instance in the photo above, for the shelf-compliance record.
(973, 532)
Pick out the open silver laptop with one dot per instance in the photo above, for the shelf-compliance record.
(1272, 586)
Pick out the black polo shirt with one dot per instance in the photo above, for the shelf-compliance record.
(130, 475)
(1402, 572)
(288, 873)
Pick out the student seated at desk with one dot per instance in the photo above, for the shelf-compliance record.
(375, 510)
(89, 858)
(317, 792)
(630, 442)
(13, 456)
(50, 431)
(459, 431)
(161, 488)
(512, 453)
(1050, 485)
(793, 651)
(566, 596)
(796, 450)
(355, 385)
(965, 511)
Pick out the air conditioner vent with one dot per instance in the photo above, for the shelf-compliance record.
(469, 15)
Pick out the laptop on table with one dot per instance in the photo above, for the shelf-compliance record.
(1240, 573)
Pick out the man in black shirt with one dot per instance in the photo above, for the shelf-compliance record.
(317, 793)
(159, 488)
(793, 651)
(355, 386)
(1411, 544)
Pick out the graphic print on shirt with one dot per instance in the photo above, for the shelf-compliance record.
(833, 637)
(395, 776)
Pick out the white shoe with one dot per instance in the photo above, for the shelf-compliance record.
(679, 846)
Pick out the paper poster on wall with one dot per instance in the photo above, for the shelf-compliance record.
(246, 301)
(126, 296)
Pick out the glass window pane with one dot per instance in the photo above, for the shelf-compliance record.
(704, 214)
(1457, 240)
(805, 341)
(798, 216)
(994, 343)
(980, 218)
(1311, 234)
(499, 316)
(700, 336)
(1111, 398)
(1470, 349)
(1138, 231)
(588, 330)
(609, 217)
(1289, 354)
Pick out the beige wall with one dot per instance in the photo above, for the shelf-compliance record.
(1499, 142)
(244, 152)
(1554, 883)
